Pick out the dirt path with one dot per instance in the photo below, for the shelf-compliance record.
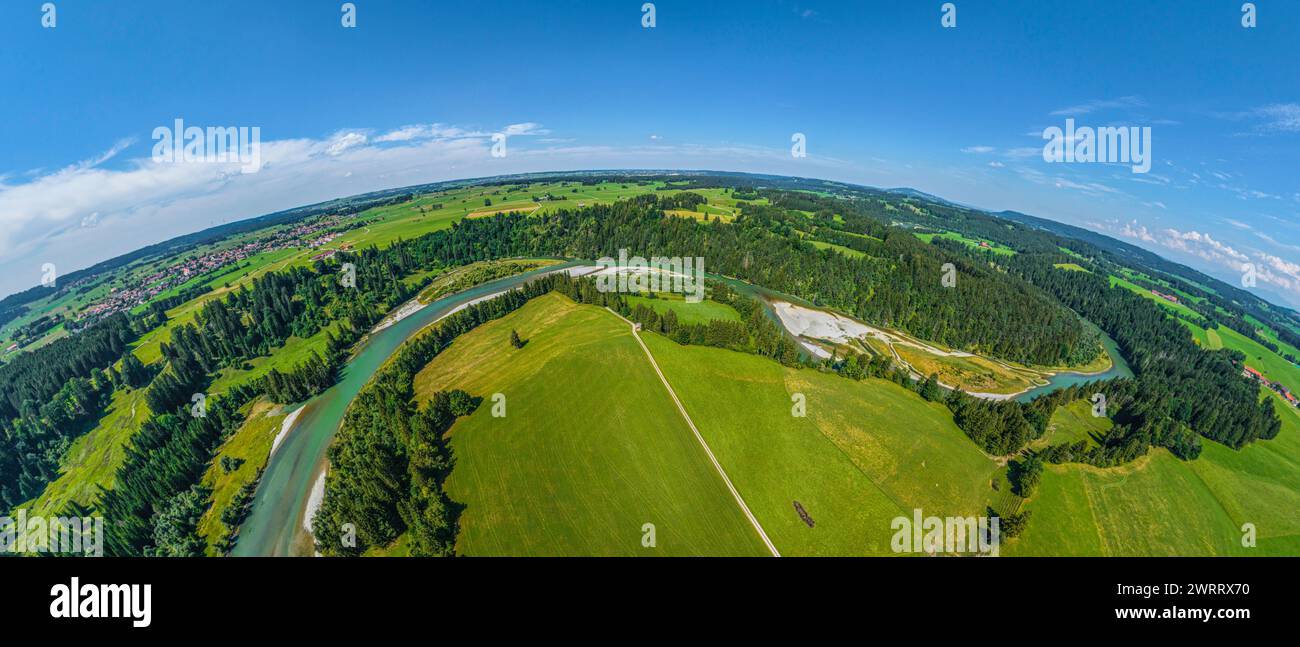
(690, 423)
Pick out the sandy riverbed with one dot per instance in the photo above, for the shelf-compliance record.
(284, 428)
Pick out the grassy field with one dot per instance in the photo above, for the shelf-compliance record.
(1160, 505)
(1261, 359)
(687, 313)
(1164, 303)
(295, 351)
(473, 274)
(93, 459)
(1072, 423)
(1208, 339)
(591, 447)
(865, 452)
(847, 251)
(1272, 365)
(1271, 335)
(1071, 267)
(250, 443)
(996, 248)
(978, 374)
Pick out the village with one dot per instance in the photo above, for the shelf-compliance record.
(306, 235)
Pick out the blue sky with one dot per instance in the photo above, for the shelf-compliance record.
(885, 95)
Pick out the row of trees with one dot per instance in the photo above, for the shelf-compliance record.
(390, 459)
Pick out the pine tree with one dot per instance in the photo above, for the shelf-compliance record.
(931, 390)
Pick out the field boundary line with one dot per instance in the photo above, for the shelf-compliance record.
(691, 423)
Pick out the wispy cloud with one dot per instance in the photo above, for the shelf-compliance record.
(1278, 117)
(1268, 119)
(526, 128)
(88, 212)
(1101, 104)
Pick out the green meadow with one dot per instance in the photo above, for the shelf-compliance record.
(687, 313)
(996, 248)
(1072, 423)
(93, 459)
(864, 453)
(251, 444)
(1162, 302)
(847, 251)
(591, 447)
(1272, 365)
(1160, 505)
(1261, 359)
(1071, 267)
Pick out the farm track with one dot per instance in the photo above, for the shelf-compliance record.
(690, 423)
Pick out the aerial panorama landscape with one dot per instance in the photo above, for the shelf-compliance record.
(619, 279)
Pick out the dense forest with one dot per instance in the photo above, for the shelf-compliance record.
(899, 285)
(1179, 384)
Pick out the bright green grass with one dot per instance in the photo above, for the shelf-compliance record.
(1262, 359)
(996, 248)
(1272, 365)
(93, 459)
(1164, 303)
(1202, 336)
(252, 443)
(1074, 422)
(1072, 267)
(591, 447)
(1271, 335)
(1160, 505)
(687, 313)
(865, 453)
(847, 251)
(857, 235)
(295, 351)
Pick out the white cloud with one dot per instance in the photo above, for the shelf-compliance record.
(343, 141)
(1277, 243)
(1279, 271)
(1203, 245)
(978, 149)
(1021, 152)
(86, 213)
(1101, 104)
(526, 128)
(1134, 230)
(427, 131)
(1094, 188)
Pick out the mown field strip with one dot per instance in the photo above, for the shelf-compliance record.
(690, 423)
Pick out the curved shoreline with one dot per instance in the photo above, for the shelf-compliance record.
(805, 322)
(276, 524)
